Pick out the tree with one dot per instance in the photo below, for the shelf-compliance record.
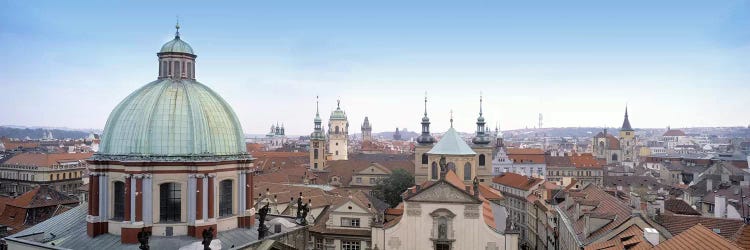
(390, 189)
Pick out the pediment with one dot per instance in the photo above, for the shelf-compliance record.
(443, 192)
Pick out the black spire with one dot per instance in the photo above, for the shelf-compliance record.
(626, 122)
(481, 137)
(425, 137)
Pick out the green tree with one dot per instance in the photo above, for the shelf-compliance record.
(390, 189)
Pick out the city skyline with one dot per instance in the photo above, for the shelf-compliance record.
(686, 68)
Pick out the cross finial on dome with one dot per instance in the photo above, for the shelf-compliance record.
(177, 27)
(451, 118)
(425, 103)
(338, 103)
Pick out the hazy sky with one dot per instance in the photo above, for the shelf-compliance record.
(678, 63)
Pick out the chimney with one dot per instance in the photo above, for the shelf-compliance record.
(709, 185)
(635, 200)
(651, 235)
(578, 212)
(720, 206)
(659, 205)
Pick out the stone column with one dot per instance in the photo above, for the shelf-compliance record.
(138, 205)
(211, 202)
(191, 195)
(204, 198)
(129, 200)
(147, 204)
(199, 198)
(96, 221)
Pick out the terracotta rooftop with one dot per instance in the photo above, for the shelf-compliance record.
(674, 132)
(676, 224)
(526, 155)
(631, 239)
(608, 205)
(516, 181)
(46, 160)
(697, 237)
(586, 160)
(679, 207)
(742, 237)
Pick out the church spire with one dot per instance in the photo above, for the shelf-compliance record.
(481, 137)
(425, 137)
(626, 123)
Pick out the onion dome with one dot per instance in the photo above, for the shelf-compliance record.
(425, 137)
(482, 136)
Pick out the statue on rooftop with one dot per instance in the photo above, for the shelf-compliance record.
(143, 239)
(262, 229)
(208, 236)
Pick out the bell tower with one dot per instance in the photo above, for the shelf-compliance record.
(317, 143)
(338, 134)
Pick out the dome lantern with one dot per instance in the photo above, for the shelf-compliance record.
(176, 58)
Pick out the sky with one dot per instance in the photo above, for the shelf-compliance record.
(674, 63)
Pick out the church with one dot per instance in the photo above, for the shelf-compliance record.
(467, 161)
(613, 149)
(172, 158)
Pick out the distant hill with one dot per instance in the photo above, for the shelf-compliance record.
(37, 133)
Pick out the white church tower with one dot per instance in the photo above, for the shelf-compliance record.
(338, 134)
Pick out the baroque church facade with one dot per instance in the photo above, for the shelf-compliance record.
(467, 161)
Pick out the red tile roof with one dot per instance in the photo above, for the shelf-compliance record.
(631, 239)
(676, 224)
(674, 132)
(46, 160)
(606, 204)
(586, 160)
(526, 155)
(516, 181)
(697, 237)
(742, 237)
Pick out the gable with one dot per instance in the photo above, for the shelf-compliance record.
(443, 192)
(374, 169)
(344, 208)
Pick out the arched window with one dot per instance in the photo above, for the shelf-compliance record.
(65, 175)
(50, 177)
(467, 171)
(601, 145)
(337, 152)
(614, 157)
(481, 160)
(119, 194)
(337, 129)
(225, 198)
(315, 154)
(169, 202)
(424, 159)
(434, 171)
(450, 166)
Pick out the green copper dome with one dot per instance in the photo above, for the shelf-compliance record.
(177, 45)
(173, 117)
(338, 114)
